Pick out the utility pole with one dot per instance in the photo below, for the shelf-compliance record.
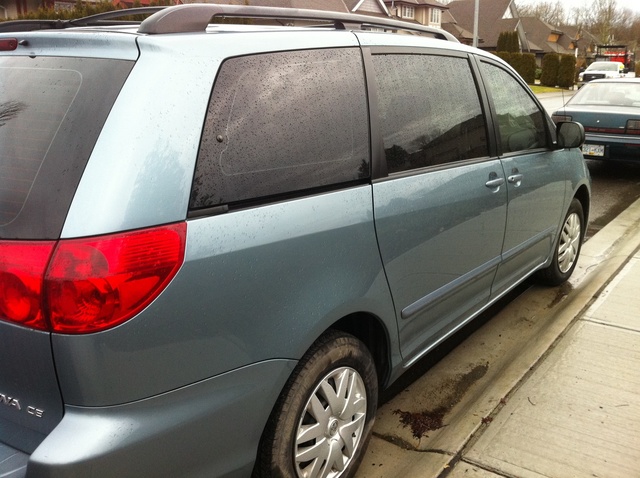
(475, 24)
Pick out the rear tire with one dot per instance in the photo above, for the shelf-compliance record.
(568, 247)
(323, 419)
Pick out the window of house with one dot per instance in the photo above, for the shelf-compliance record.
(408, 12)
(426, 120)
(436, 16)
(283, 122)
(521, 123)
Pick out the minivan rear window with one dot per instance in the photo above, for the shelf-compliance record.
(51, 112)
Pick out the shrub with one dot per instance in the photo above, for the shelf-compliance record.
(528, 68)
(550, 67)
(523, 63)
(508, 41)
(566, 71)
(504, 55)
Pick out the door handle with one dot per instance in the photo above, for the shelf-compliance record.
(494, 183)
(515, 179)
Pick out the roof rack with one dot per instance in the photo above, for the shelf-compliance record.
(99, 19)
(195, 17)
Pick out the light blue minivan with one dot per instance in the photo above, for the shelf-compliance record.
(219, 242)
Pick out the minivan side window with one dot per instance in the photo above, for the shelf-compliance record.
(429, 110)
(521, 123)
(283, 122)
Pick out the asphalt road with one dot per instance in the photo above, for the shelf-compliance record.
(615, 186)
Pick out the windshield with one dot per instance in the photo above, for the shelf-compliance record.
(604, 66)
(608, 93)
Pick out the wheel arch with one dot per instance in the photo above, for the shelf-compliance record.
(371, 331)
(361, 326)
(582, 195)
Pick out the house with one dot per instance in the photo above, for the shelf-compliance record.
(13, 8)
(376, 8)
(535, 36)
(544, 38)
(142, 3)
(583, 41)
(494, 17)
(329, 5)
(424, 12)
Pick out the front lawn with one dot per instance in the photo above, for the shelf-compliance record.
(545, 89)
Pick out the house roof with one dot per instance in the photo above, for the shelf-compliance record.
(327, 5)
(583, 37)
(464, 36)
(369, 7)
(134, 3)
(426, 3)
(538, 33)
(494, 17)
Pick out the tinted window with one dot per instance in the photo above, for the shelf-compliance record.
(520, 121)
(30, 113)
(51, 112)
(429, 109)
(283, 122)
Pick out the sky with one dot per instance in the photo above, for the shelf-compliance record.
(569, 5)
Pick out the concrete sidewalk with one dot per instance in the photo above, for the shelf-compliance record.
(562, 402)
(578, 413)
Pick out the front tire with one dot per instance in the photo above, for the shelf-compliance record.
(322, 421)
(568, 247)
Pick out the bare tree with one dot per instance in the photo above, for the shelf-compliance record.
(580, 16)
(603, 18)
(549, 12)
(604, 23)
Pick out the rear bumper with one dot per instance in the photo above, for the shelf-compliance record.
(13, 463)
(211, 428)
(616, 147)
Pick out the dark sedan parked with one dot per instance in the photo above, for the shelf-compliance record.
(609, 110)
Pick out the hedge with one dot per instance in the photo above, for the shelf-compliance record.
(550, 68)
(508, 41)
(523, 63)
(567, 71)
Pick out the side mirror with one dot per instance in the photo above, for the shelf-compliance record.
(570, 134)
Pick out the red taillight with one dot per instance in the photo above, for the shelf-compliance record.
(8, 44)
(94, 284)
(633, 127)
(22, 266)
